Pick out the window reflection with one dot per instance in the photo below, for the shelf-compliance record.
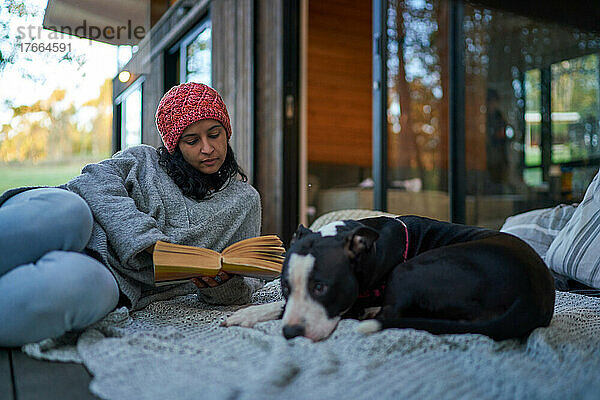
(417, 107)
(533, 119)
(198, 58)
(531, 113)
(190, 59)
(338, 107)
(575, 109)
(131, 119)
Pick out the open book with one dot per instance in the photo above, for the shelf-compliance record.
(259, 257)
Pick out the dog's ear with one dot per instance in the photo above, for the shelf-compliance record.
(358, 241)
(301, 231)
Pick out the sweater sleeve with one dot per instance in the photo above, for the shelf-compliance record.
(106, 187)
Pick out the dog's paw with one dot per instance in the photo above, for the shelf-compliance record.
(368, 327)
(250, 316)
(369, 313)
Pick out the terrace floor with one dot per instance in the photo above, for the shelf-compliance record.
(24, 378)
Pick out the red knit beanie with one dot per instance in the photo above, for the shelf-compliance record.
(185, 104)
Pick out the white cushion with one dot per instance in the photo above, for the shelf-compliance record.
(575, 252)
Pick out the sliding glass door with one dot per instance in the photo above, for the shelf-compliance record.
(529, 99)
(417, 108)
(531, 113)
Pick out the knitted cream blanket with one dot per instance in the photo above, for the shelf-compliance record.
(176, 349)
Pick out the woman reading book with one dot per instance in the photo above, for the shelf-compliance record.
(71, 254)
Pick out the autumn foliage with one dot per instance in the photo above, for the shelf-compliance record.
(54, 129)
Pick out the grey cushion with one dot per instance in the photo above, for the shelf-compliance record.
(538, 228)
(575, 252)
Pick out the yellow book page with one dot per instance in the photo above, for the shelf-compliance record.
(163, 273)
(253, 263)
(255, 253)
(173, 267)
(161, 246)
(183, 263)
(179, 260)
(245, 249)
(246, 270)
(266, 240)
(260, 257)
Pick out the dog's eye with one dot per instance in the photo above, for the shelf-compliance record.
(319, 289)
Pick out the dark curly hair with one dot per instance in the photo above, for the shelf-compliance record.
(194, 183)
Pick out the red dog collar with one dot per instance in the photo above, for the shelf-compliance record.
(376, 292)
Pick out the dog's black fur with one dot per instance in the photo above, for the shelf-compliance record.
(422, 273)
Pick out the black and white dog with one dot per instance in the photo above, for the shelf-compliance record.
(408, 272)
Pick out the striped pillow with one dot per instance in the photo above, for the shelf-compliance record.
(575, 252)
(538, 228)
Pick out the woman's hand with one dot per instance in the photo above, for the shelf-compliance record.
(207, 281)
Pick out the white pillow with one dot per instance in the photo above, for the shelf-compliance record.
(575, 252)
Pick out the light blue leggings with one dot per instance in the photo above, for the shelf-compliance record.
(47, 285)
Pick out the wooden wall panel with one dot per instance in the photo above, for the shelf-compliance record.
(232, 71)
(269, 112)
(152, 92)
(339, 82)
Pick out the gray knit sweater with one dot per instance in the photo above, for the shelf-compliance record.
(135, 203)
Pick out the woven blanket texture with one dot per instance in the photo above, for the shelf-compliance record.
(175, 349)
